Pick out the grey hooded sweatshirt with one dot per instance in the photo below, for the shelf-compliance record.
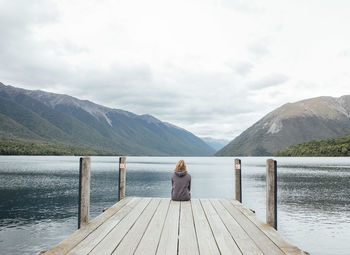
(181, 186)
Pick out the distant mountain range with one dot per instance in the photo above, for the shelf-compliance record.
(293, 123)
(216, 144)
(61, 119)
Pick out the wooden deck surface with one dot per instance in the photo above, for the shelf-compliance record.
(160, 226)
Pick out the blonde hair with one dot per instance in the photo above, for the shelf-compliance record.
(181, 165)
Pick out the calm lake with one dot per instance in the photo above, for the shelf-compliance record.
(39, 195)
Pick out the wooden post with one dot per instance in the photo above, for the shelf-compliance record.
(238, 180)
(271, 192)
(84, 192)
(122, 178)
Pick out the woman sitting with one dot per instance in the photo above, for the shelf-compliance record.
(181, 183)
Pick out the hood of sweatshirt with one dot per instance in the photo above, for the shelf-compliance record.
(180, 173)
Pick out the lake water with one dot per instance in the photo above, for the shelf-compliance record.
(39, 195)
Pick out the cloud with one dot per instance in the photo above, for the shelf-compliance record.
(259, 48)
(271, 80)
(25, 60)
(344, 53)
(243, 6)
(214, 71)
(243, 68)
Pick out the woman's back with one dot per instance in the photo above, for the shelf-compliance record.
(181, 186)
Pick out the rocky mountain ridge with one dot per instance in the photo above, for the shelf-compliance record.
(293, 123)
(57, 118)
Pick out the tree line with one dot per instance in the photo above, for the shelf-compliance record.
(336, 147)
(22, 147)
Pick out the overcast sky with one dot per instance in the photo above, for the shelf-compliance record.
(211, 67)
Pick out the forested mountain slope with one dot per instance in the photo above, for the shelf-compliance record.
(62, 119)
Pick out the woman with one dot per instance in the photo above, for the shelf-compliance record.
(181, 183)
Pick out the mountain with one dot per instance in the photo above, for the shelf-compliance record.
(335, 147)
(62, 119)
(216, 144)
(293, 123)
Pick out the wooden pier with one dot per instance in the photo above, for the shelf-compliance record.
(147, 225)
(160, 226)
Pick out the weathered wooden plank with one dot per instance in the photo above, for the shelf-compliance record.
(206, 240)
(112, 240)
(161, 226)
(223, 238)
(151, 238)
(84, 191)
(73, 240)
(276, 237)
(187, 233)
(131, 240)
(261, 240)
(244, 242)
(168, 242)
(86, 245)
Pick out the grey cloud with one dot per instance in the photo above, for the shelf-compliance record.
(24, 59)
(188, 98)
(18, 17)
(230, 125)
(243, 6)
(131, 87)
(203, 111)
(268, 81)
(259, 48)
(19, 13)
(67, 48)
(243, 68)
(195, 97)
(344, 53)
(205, 98)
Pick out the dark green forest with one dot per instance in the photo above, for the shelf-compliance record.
(22, 147)
(336, 147)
